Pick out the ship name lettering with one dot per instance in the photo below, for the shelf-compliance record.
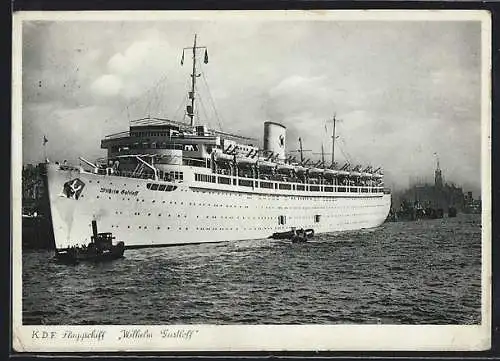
(125, 192)
(134, 334)
(179, 333)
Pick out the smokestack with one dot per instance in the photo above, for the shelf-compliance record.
(94, 228)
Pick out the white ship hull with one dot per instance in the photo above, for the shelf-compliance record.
(196, 212)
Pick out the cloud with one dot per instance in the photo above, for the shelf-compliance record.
(107, 85)
(402, 89)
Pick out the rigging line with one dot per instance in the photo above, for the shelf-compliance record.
(345, 145)
(204, 109)
(127, 106)
(219, 122)
(160, 99)
(346, 157)
(183, 102)
(181, 105)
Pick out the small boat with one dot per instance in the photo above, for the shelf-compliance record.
(296, 236)
(101, 248)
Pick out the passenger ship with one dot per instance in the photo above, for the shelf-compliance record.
(166, 182)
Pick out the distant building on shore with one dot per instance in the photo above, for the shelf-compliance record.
(33, 189)
(472, 205)
(439, 195)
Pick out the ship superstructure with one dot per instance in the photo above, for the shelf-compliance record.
(165, 182)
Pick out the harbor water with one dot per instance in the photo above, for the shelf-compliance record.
(420, 272)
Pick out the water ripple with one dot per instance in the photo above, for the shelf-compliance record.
(425, 272)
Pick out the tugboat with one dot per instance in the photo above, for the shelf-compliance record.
(100, 248)
(296, 236)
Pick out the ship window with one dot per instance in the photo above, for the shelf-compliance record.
(154, 187)
(317, 218)
(224, 180)
(245, 183)
(266, 185)
(162, 187)
(285, 186)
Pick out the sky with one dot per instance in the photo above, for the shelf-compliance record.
(404, 91)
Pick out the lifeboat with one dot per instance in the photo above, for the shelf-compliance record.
(285, 167)
(343, 172)
(299, 169)
(219, 156)
(331, 172)
(266, 164)
(245, 160)
(316, 171)
(355, 174)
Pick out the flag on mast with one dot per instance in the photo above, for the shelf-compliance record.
(206, 57)
(45, 140)
(182, 59)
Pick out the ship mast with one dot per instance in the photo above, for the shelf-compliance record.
(322, 155)
(301, 151)
(334, 120)
(192, 94)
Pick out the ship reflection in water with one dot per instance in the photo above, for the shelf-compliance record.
(422, 272)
